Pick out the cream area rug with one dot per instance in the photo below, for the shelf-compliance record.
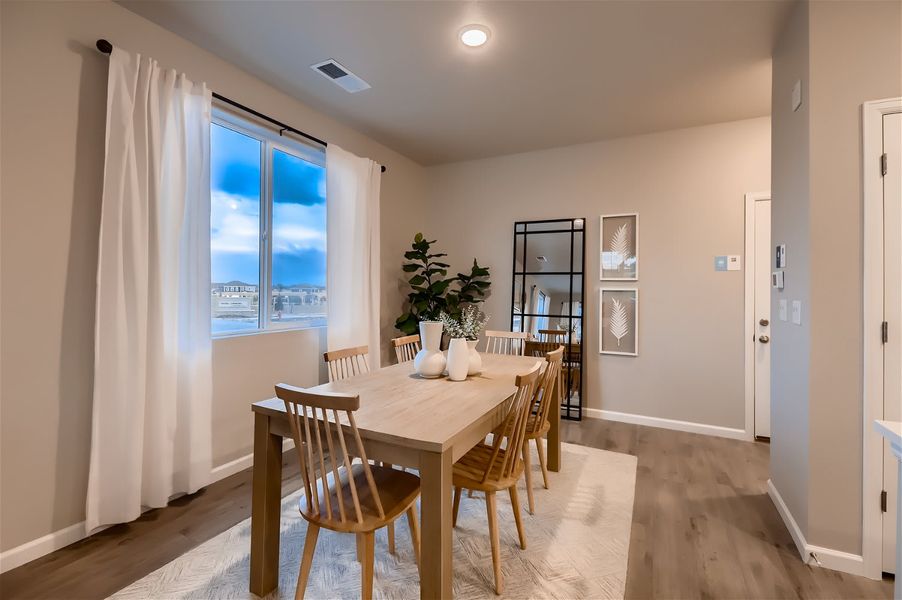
(577, 546)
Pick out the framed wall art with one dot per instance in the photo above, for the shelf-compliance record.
(620, 247)
(619, 322)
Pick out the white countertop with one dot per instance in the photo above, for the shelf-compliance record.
(891, 430)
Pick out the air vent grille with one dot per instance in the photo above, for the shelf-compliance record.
(332, 70)
(340, 75)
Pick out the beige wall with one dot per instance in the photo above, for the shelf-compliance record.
(53, 107)
(790, 344)
(853, 55)
(856, 56)
(688, 187)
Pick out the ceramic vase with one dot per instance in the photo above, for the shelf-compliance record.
(475, 360)
(430, 362)
(458, 359)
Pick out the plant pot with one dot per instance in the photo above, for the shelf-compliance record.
(430, 362)
(475, 360)
(458, 359)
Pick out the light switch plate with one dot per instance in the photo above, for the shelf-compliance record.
(797, 312)
(734, 263)
(782, 309)
(777, 280)
(781, 256)
(797, 95)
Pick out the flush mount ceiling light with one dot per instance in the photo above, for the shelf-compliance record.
(474, 36)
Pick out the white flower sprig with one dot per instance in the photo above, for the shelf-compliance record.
(472, 322)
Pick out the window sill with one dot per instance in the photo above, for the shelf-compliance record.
(255, 332)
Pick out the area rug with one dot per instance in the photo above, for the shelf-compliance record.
(577, 546)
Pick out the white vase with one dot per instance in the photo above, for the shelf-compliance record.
(475, 359)
(430, 362)
(458, 359)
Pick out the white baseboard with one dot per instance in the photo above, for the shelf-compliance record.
(827, 558)
(29, 551)
(687, 426)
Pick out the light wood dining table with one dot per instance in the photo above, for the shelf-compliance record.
(424, 424)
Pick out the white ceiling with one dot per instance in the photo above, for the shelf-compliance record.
(554, 73)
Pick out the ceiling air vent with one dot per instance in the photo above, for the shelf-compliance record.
(338, 73)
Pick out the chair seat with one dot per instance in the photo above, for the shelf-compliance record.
(469, 470)
(397, 491)
(532, 432)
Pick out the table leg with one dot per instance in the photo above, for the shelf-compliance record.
(554, 434)
(266, 507)
(435, 553)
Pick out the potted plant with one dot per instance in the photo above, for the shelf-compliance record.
(463, 359)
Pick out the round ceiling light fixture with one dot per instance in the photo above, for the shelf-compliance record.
(474, 36)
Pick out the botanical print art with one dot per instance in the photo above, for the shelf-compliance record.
(619, 321)
(620, 247)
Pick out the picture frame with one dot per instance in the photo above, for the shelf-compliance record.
(618, 323)
(619, 247)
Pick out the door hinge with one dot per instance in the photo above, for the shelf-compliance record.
(883, 164)
(884, 332)
(883, 501)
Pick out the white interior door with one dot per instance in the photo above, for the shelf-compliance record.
(762, 270)
(892, 306)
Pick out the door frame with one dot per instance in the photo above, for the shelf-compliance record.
(749, 327)
(872, 114)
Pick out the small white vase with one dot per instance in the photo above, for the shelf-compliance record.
(458, 359)
(475, 359)
(430, 362)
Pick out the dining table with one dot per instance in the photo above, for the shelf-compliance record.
(407, 421)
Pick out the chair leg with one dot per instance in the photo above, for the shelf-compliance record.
(390, 529)
(540, 446)
(360, 547)
(366, 565)
(306, 560)
(414, 524)
(457, 494)
(527, 469)
(492, 511)
(515, 504)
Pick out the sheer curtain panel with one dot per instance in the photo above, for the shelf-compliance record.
(151, 424)
(352, 251)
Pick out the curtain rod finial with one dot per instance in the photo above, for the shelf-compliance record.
(104, 46)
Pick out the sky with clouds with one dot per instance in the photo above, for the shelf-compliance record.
(299, 213)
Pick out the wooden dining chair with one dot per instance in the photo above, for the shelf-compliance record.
(347, 362)
(339, 494)
(552, 335)
(406, 347)
(505, 342)
(537, 425)
(493, 468)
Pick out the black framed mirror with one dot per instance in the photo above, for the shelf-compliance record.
(547, 296)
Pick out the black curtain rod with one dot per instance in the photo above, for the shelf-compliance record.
(107, 48)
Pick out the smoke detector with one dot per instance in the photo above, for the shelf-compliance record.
(339, 74)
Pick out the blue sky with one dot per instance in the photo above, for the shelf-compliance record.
(299, 213)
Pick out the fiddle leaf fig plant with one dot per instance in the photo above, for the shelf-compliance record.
(431, 292)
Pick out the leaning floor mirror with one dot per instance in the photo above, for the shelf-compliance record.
(547, 297)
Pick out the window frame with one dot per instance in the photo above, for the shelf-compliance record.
(270, 141)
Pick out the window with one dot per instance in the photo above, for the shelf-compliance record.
(267, 230)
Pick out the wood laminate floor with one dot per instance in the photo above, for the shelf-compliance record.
(703, 527)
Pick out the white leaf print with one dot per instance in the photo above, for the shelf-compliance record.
(619, 322)
(620, 243)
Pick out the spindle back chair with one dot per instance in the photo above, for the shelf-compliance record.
(406, 347)
(505, 342)
(347, 362)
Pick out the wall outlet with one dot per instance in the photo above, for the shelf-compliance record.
(797, 312)
(782, 309)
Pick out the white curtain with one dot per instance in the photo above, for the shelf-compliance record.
(151, 427)
(352, 251)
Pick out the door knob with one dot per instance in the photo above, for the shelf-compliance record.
(764, 322)
(764, 339)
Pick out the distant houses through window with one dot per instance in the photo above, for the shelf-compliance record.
(268, 229)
